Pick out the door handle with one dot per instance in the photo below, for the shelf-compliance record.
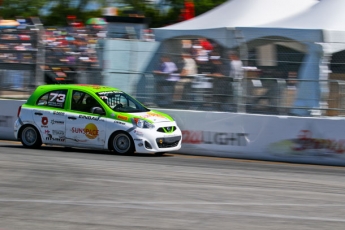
(37, 113)
(72, 118)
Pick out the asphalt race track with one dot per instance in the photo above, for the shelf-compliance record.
(57, 188)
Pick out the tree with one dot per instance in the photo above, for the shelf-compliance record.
(58, 10)
(62, 8)
(10, 9)
(161, 18)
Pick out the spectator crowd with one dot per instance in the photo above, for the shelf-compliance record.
(65, 50)
(201, 60)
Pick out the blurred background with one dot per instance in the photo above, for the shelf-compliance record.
(142, 47)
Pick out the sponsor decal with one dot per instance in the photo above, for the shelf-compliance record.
(46, 131)
(58, 132)
(214, 138)
(59, 113)
(57, 122)
(151, 114)
(6, 121)
(55, 139)
(120, 123)
(89, 117)
(107, 92)
(138, 133)
(124, 118)
(90, 131)
(76, 139)
(55, 104)
(307, 144)
(44, 120)
(95, 86)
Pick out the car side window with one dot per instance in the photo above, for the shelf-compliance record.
(56, 99)
(83, 102)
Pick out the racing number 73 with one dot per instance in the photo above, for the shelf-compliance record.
(58, 97)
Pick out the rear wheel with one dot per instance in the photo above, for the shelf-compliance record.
(122, 143)
(30, 137)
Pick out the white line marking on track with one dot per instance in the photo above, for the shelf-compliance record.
(138, 205)
(165, 202)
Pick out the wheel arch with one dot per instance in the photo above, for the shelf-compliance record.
(116, 132)
(26, 125)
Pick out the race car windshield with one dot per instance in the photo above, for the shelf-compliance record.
(122, 102)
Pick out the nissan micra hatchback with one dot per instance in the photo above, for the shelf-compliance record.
(94, 116)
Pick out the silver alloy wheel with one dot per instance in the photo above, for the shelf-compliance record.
(122, 143)
(29, 136)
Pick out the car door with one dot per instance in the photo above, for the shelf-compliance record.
(84, 128)
(49, 116)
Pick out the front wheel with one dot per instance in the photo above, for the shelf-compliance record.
(30, 137)
(122, 143)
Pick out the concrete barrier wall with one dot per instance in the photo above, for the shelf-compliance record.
(245, 136)
(8, 114)
(265, 137)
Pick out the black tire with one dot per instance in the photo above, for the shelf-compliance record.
(30, 137)
(121, 143)
(159, 154)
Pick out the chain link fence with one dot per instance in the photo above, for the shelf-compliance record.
(270, 83)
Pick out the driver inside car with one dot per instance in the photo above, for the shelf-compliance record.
(91, 102)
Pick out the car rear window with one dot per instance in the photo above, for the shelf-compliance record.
(54, 99)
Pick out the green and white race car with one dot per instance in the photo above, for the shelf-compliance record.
(94, 116)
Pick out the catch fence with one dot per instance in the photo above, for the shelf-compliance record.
(251, 95)
(271, 82)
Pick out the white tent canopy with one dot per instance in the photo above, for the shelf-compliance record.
(218, 22)
(327, 14)
(323, 22)
(321, 28)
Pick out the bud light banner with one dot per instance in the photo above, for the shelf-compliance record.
(263, 137)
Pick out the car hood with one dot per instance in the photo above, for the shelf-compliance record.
(153, 116)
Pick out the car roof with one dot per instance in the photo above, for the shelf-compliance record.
(87, 87)
(83, 87)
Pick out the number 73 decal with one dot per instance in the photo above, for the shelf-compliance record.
(58, 97)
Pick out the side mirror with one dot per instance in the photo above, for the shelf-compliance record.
(97, 110)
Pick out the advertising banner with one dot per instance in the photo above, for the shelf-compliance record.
(266, 137)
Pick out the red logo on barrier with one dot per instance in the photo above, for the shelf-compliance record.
(44, 120)
(192, 137)
(215, 138)
(306, 141)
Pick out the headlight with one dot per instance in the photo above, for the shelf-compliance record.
(144, 124)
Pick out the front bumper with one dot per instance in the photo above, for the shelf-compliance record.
(152, 140)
